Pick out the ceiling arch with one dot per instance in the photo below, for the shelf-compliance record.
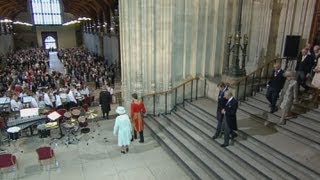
(79, 8)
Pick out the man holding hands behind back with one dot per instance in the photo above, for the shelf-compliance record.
(230, 118)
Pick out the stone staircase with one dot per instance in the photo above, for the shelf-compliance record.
(260, 152)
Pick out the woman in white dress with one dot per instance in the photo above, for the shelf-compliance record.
(123, 129)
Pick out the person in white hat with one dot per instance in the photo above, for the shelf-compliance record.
(123, 129)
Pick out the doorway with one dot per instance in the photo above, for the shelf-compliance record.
(50, 40)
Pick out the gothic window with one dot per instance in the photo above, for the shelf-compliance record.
(46, 12)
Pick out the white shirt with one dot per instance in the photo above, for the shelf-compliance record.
(34, 103)
(58, 101)
(47, 100)
(85, 91)
(110, 90)
(71, 97)
(14, 105)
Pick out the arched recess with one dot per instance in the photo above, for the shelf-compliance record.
(48, 39)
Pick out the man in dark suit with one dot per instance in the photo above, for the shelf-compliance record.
(105, 101)
(230, 118)
(305, 62)
(221, 104)
(274, 86)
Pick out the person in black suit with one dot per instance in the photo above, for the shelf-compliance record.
(305, 62)
(230, 118)
(105, 101)
(221, 104)
(274, 86)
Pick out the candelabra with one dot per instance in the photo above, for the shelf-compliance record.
(235, 68)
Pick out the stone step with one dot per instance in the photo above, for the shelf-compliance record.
(276, 166)
(174, 149)
(229, 161)
(308, 122)
(303, 128)
(300, 134)
(248, 162)
(194, 152)
(294, 154)
(196, 144)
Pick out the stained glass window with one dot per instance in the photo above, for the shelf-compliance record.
(46, 12)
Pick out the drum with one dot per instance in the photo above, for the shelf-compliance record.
(13, 133)
(75, 113)
(68, 125)
(43, 131)
(82, 119)
(67, 115)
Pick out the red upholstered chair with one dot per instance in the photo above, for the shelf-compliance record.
(8, 160)
(45, 153)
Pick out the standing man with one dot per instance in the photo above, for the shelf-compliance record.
(304, 65)
(230, 118)
(105, 101)
(221, 105)
(137, 111)
(274, 86)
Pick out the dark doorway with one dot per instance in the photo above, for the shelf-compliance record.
(49, 40)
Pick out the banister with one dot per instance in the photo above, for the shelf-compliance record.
(258, 69)
(172, 89)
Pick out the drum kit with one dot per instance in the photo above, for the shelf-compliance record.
(74, 121)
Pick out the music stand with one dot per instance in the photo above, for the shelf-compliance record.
(55, 116)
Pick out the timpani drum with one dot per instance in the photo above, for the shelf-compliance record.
(75, 113)
(67, 115)
(13, 133)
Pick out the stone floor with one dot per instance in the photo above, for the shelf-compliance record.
(100, 159)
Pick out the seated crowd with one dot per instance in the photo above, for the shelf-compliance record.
(26, 81)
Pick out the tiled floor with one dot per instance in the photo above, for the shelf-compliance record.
(99, 160)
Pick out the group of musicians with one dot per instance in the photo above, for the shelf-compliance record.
(66, 97)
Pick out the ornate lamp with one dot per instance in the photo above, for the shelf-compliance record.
(235, 68)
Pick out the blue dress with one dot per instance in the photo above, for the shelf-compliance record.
(123, 129)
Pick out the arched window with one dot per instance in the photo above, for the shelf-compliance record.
(46, 12)
(50, 43)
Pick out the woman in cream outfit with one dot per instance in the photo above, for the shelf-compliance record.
(288, 95)
(316, 78)
(123, 129)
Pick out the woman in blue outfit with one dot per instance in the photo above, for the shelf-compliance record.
(123, 129)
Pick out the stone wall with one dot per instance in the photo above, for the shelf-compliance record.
(163, 43)
(103, 45)
(6, 44)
